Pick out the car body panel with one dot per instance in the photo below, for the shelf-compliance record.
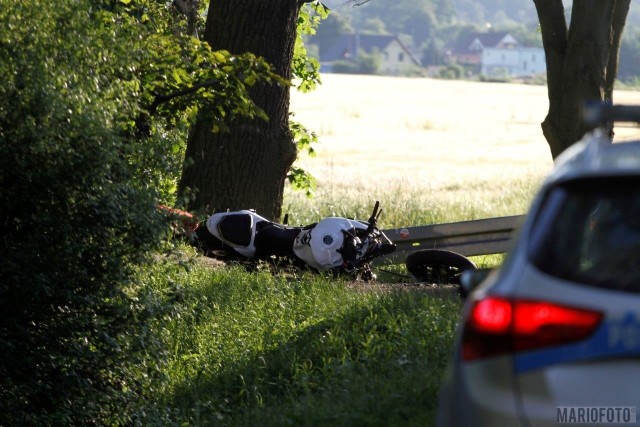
(600, 370)
(480, 393)
(579, 385)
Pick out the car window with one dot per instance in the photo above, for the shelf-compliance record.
(588, 232)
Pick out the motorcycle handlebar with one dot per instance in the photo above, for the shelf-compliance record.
(373, 219)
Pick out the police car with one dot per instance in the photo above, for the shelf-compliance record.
(553, 335)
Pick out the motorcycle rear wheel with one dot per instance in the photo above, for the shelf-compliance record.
(437, 266)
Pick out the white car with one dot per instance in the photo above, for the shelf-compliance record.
(553, 335)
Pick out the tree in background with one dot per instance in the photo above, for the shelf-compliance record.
(330, 30)
(582, 63)
(246, 165)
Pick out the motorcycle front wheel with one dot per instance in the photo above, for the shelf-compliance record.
(438, 266)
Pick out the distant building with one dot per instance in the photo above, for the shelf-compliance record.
(396, 57)
(497, 55)
(516, 62)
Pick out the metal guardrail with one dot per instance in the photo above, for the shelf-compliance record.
(468, 238)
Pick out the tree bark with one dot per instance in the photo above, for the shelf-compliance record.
(582, 63)
(246, 167)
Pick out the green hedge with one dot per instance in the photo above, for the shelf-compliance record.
(74, 332)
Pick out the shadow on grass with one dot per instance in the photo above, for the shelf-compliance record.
(379, 365)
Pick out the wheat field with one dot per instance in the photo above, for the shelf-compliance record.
(447, 139)
(426, 129)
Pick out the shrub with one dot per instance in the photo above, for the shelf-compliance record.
(72, 335)
(363, 63)
(452, 72)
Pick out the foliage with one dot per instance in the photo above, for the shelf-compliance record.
(363, 63)
(452, 71)
(330, 29)
(72, 222)
(298, 178)
(95, 99)
(306, 75)
(306, 70)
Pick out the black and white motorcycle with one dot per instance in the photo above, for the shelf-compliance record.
(335, 244)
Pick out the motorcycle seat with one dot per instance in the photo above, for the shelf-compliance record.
(236, 228)
(274, 239)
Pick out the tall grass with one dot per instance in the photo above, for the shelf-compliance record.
(411, 204)
(254, 348)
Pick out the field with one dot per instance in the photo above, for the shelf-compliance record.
(467, 149)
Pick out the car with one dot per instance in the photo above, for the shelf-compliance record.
(553, 335)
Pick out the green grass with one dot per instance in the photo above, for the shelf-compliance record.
(254, 348)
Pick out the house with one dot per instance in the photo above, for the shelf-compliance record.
(515, 62)
(468, 49)
(497, 55)
(396, 57)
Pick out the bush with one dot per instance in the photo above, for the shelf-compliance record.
(363, 63)
(73, 335)
(452, 72)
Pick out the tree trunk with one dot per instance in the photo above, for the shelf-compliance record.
(246, 168)
(582, 63)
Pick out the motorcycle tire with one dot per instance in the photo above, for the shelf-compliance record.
(438, 266)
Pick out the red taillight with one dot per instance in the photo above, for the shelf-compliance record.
(498, 326)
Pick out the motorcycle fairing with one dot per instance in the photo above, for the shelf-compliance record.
(237, 229)
(320, 246)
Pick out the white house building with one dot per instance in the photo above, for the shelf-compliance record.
(497, 55)
(512, 62)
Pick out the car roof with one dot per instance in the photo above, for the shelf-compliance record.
(596, 156)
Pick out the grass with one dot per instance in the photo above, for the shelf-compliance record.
(411, 204)
(253, 348)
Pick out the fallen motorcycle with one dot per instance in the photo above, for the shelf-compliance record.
(335, 244)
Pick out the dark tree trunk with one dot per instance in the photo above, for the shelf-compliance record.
(582, 62)
(246, 168)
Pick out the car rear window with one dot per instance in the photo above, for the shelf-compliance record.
(588, 232)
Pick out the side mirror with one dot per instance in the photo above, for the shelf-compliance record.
(471, 279)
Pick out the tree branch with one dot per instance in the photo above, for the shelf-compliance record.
(358, 2)
(160, 99)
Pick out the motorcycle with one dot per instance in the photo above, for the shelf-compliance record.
(336, 244)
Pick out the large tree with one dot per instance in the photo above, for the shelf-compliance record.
(582, 62)
(246, 165)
